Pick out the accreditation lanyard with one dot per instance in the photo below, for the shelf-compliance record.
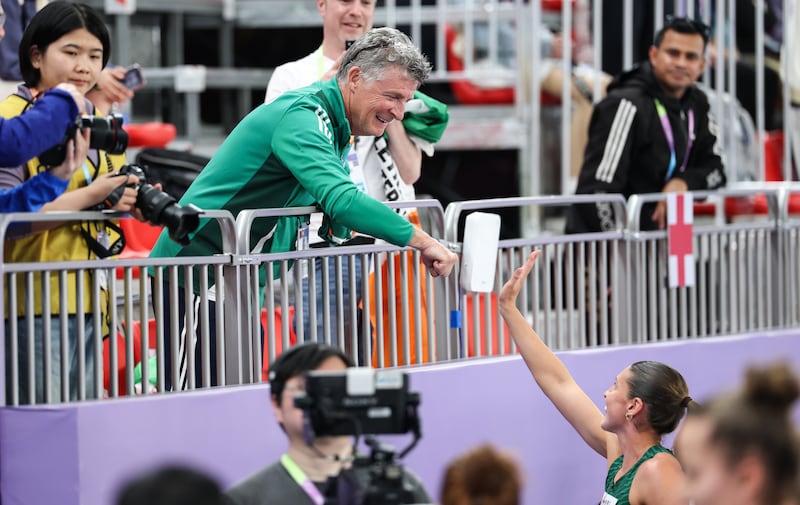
(302, 480)
(667, 127)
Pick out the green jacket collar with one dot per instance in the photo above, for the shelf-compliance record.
(331, 95)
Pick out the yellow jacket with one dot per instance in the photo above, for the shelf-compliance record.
(64, 242)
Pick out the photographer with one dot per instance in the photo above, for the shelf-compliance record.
(46, 186)
(40, 127)
(306, 473)
(64, 42)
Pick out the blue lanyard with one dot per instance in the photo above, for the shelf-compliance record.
(86, 174)
(667, 127)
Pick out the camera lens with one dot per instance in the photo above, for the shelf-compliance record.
(160, 208)
(107, 133)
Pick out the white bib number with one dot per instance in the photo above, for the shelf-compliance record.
(608, 500)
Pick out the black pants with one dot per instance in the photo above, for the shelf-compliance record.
(193, 335)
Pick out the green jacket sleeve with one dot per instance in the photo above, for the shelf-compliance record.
(305, 143)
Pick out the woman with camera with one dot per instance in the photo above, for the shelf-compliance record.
(64, 42)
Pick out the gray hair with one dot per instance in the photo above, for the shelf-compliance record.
(379, 49)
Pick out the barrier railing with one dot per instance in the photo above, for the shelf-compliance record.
(32, 328)
(737, 267)
(552, 302)
(368, 325)
(587, 290)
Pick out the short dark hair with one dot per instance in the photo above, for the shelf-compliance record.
(299, 360)
(683, 25)
(55, 20)
(172, 485)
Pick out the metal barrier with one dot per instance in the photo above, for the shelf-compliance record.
(589, 263)
(737, 267)
(611, 288)
(83, 330)
(789, 271)
(587, 290)
(368, 326)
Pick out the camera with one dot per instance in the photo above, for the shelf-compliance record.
(363, 401)
(161, 209)
(107, 134)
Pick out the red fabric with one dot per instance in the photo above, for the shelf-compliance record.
(139, 240)
(153, 134)
(278, 338)
(466, 322)
(121, 355)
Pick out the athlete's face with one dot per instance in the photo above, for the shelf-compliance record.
(345, 20)
(76, 58)
(372, 105)
(678, 62)
(710, 480)
(617, 401)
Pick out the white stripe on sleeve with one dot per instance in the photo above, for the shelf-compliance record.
(617, 137)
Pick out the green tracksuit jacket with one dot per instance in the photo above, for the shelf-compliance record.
(288, 153)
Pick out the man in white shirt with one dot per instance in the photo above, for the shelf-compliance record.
(383, 168)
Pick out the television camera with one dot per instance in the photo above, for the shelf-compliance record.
(360, 402)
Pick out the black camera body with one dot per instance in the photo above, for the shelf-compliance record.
(362, 401)
(161, 209)
(107, 134)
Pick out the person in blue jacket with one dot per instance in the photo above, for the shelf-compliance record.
(37, 130)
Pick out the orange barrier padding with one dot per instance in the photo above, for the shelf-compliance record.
(278, 337)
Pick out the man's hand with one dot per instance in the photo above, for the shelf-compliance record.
(80, 100)
(436, 257)
(673, 186)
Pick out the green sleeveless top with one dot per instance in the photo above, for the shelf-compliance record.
(617, 492)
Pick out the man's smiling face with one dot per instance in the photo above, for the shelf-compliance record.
(371, 105)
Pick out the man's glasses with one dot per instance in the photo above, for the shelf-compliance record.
(2, 18)
(364, 49)
(697, 26)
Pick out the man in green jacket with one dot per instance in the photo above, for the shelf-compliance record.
(291, 153)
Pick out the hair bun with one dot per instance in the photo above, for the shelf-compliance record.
(775, 386)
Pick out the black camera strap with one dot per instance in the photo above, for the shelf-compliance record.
(98, 248)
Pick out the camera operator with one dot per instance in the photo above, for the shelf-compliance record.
(305, 473)
(65, 42)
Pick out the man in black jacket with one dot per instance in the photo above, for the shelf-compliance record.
(652, 133)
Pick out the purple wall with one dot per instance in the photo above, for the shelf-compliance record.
(80, 453)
